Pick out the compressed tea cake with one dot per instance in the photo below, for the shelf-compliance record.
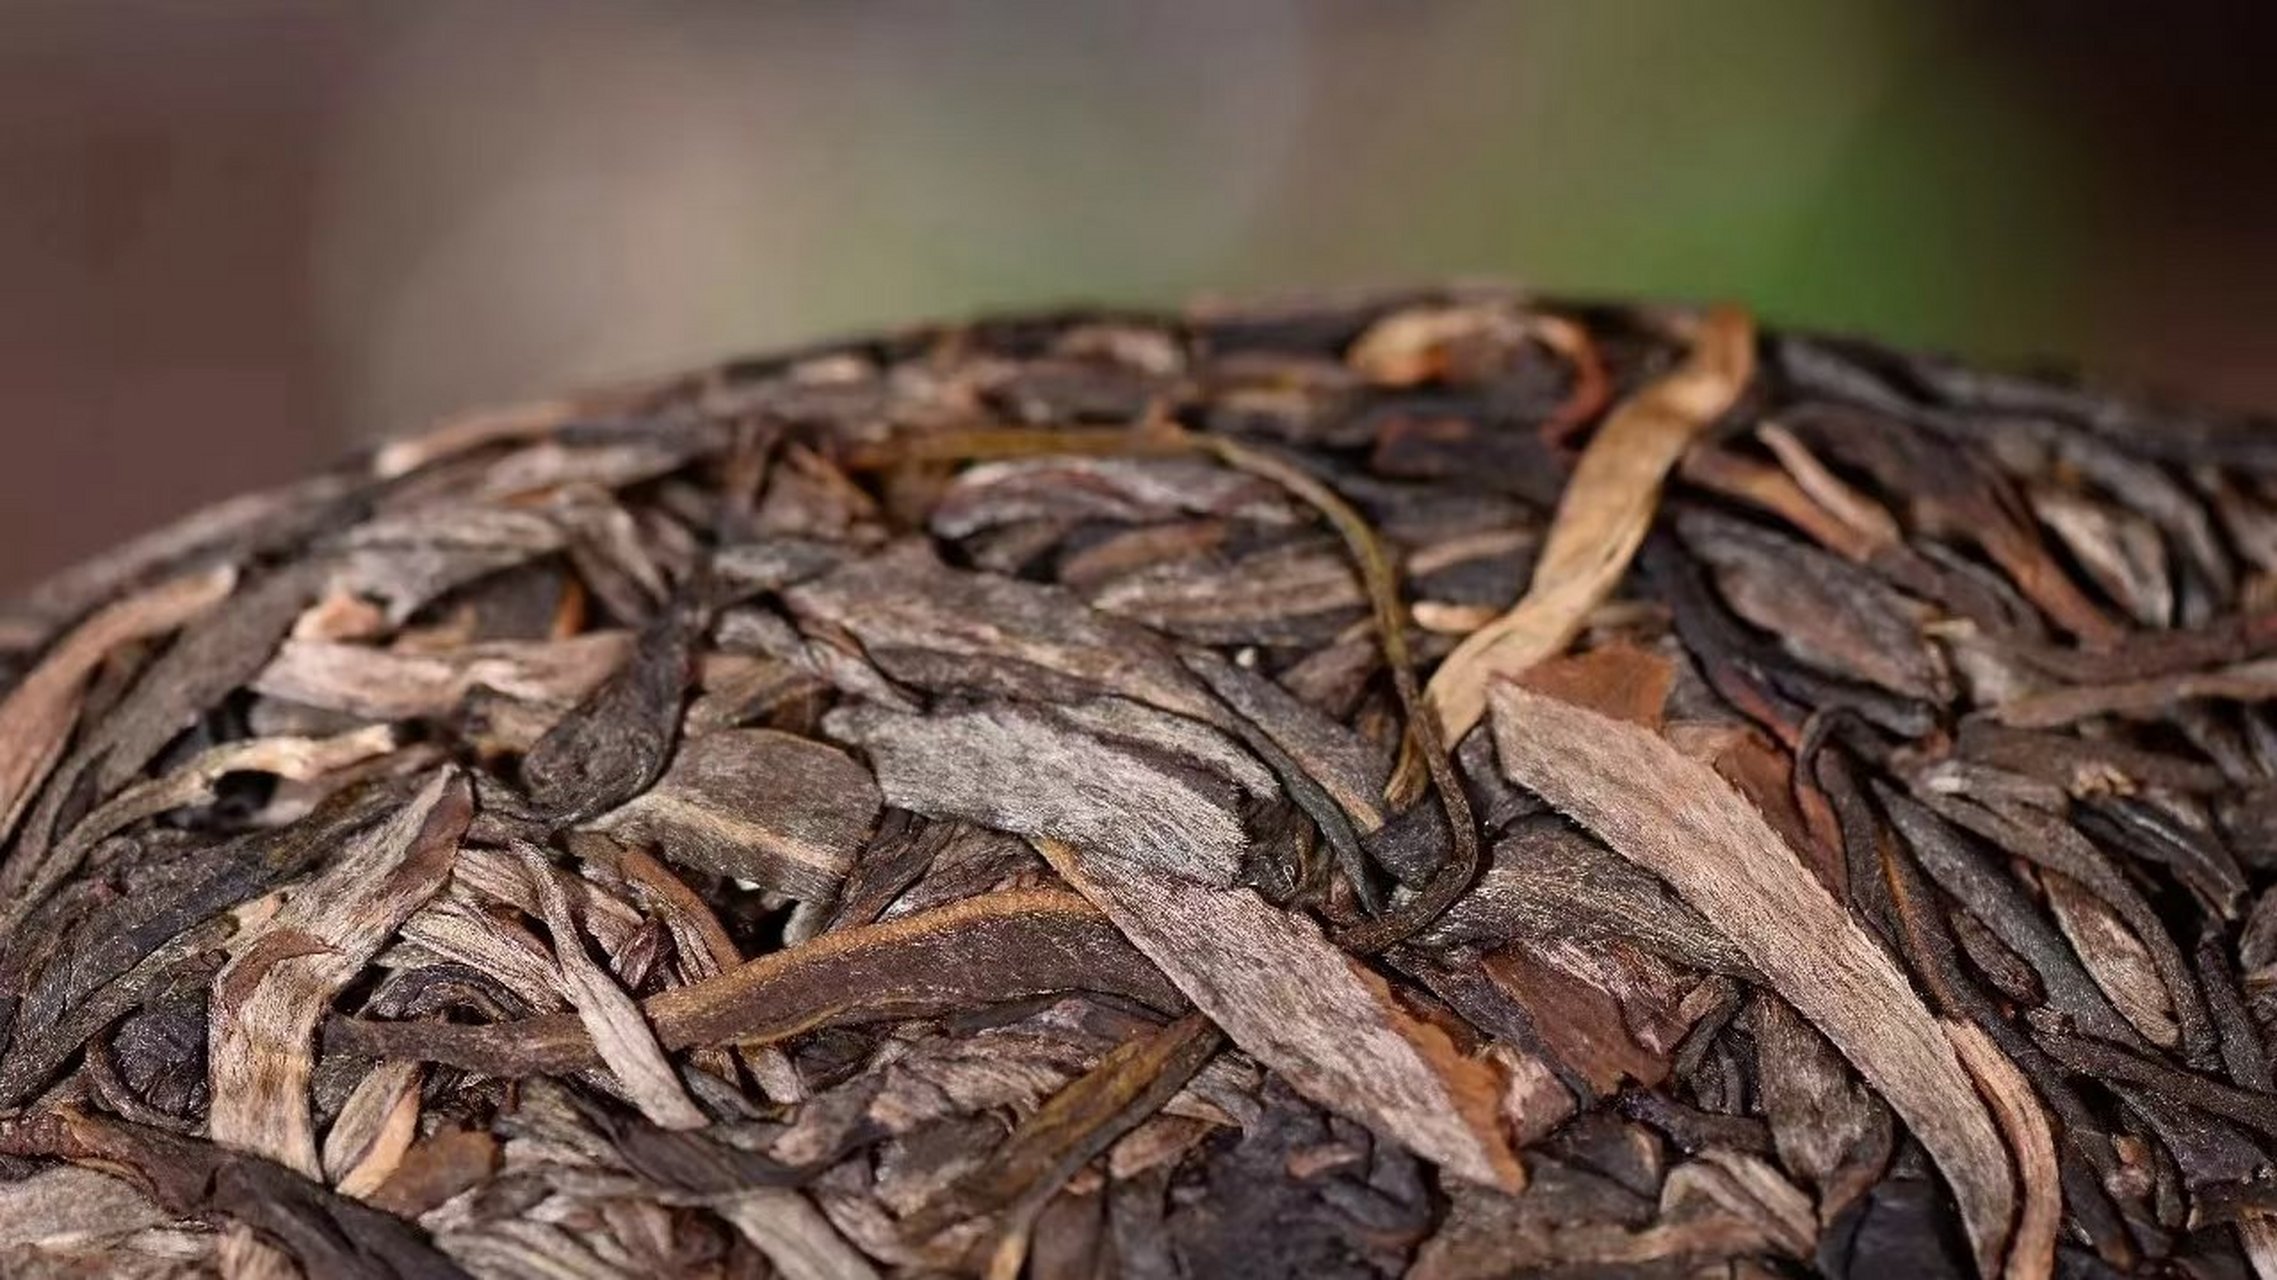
(1450, 785)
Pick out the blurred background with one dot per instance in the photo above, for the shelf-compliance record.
(237, 239)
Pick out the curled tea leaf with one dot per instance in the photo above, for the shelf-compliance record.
(1602, 518)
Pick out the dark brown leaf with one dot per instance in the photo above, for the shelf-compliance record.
(754, 804)
(982, 950)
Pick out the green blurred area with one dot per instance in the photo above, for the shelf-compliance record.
(240, 238)
(1844, 165)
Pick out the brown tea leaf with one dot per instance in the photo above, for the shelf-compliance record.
(298, 759)
(465, 432)
(405, 561)
(1828, 1129)
(2032, 1250)
(935, 627)
(2121, 551)
(1824, 610)
(1618, 680)
(214, 655)
(1290, 999)
(1580, 1023)
(1017, 770)
(268, 1000)
(796, 1238)
(1870, 519)
(1299, 593)
(1487, 1235)
(2118, 961)
(615, 743)
(1416, 344)
(1125, 490)
(977, 951)
(1956, 493)
(374, 1128)
(434, 1169)
(621, 1036)
(70, 1206)
(1079, 1122)
(1547, 881)
(2254, 681)
(1676, 818)
(118, 953)
(325, 1233)
(379, 684)
(1602, 518)
(36, 719)
(1349, 770)
(757, 805)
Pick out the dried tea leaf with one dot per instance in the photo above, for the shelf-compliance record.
(405, 561)
(1126, 490)
(935, 627)
(1351, 771)
(324, 1233)
(1602, 518)
(1289, 998)
(2120, 964)
(2122, 552)
(1190, 742)
(179, 909)
(296, 759)
(616, 742)
(1018, 770)
(1418, 344)
(1996, 900)
(1619, 680)
(982, 950)
(1580, 1023)
(2254, 681)
(1828, 1129)
(71, 1206)
(794, 1235)
(621, 1036)
(1872, 521)
(213, 656)
(1828, 613)
(36, 719)
(374, 1128)
(2032, 1250)
(436, 1168)
(1487, 1235)
(1679, 820)
(1548, 881)
(1300, 593)
(1080, 1122)
(379, 684)
(217, 653)
(1749, 1189)
(757, 805)
(1959, 494)
(268, 1000)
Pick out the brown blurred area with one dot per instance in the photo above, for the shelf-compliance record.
(237, 239)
